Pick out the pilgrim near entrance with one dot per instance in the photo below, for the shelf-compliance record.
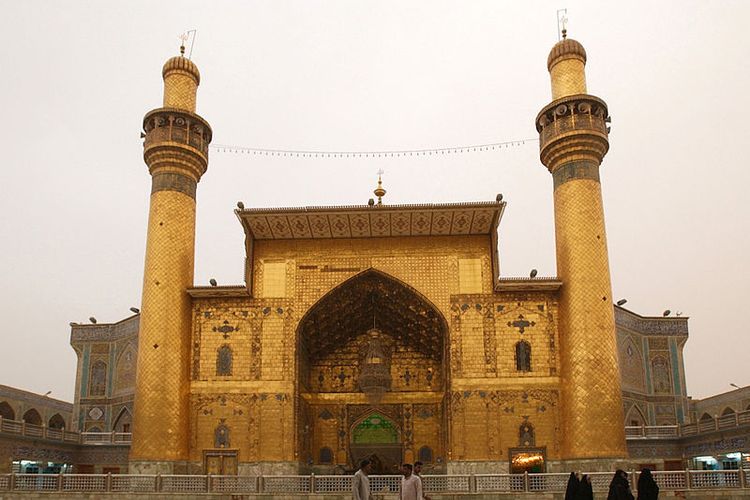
(377, 330)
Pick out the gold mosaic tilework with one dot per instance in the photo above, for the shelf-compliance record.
(160, 429)
(470, 275)
(212, 331)
(568, 78)
(326, 420)
(274, 347)
(536, 315)
(260, 424)
(429, 264)
(339, 371)
(592, 404)
(472, 344)
(179, 91)
(485, 423)
(274, 279)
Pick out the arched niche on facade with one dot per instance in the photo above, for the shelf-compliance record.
(32, 417)
(56, 422)
(635, 417)
(123, 421)
(332, 336)
(98, 379)
(6, 411)
(377, 436)
(728, 411)
(706, 417)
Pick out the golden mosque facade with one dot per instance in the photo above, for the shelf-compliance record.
(380, 330)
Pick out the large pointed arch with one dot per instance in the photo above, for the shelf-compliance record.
(373, 297)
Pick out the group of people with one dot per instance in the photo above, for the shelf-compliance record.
(579, 487)
(411, 483)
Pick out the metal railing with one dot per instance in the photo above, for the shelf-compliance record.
(312, 484)
(22, 428)
(724, 422)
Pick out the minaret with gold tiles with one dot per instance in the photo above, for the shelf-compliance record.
(176, 152)
(573, 136)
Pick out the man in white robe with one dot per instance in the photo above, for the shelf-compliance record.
(361, 483)
(411, 485)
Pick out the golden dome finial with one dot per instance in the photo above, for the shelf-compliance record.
(379, 191)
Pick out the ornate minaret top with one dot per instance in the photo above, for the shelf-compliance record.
(566, 62)
(181, 80)
(573, 127)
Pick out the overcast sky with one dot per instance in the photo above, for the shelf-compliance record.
(76, 79)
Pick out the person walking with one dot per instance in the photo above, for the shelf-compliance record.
(418, 472)
(585, 489)
(361, 483)
(647, 487)
(572, 488)
(411, 485)
(619, 488)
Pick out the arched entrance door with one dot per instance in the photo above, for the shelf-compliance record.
(376, 437)
(371, 375)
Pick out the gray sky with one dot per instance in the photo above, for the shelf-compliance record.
(76, 79)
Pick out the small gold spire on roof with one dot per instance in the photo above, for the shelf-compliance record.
(379, 191)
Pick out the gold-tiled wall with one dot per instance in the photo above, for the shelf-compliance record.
(568, 78)
(487, 398)
(180, 91)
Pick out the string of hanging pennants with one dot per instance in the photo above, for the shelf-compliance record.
(301, 153)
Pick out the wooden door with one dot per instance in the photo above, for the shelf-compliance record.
(220, 462)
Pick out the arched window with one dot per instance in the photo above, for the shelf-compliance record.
(523, 356)
(705, 417)
(727, 411)
(326, 455)
(425, 454)
(32, 417)
(224, 360)
(6, 411)
(98, 379)
(526, 434)
(56, 422)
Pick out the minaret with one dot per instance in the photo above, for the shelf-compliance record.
(573, 137)
(176, 152)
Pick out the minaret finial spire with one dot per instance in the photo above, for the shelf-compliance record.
(183, 39)
(379, 191)
(562, 24)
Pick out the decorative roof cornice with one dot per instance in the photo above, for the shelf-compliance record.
(372, 221)
(651, 325)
